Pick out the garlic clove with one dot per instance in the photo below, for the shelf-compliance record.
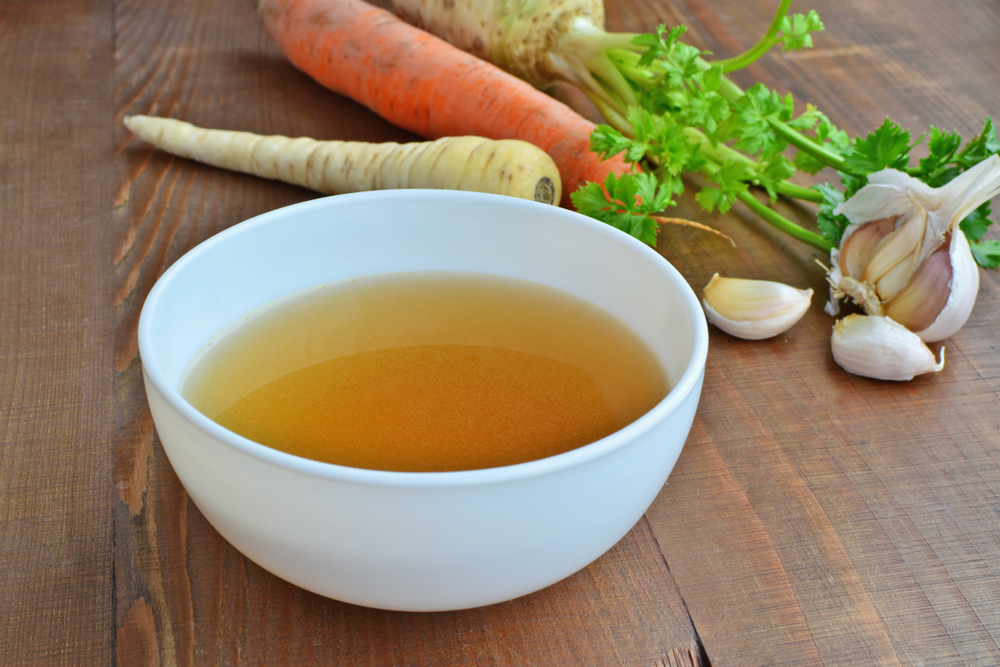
(895, 258)
(961, 196)
(754, 309)
(923, 299)
(880, 348)
(962, 291)
(892, 193)
(857, 249)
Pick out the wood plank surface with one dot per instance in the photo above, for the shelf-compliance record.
(814, 517)
(193, 600)
(842, 507)
(55, 376)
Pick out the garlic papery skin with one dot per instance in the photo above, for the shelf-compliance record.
(880, 348)
(895, 259)
(858, 248)
(754, 309)
(918, 304)
(963, 289)
(888, 267)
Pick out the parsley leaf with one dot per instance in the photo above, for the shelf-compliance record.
(979, 147)
(826, 134)
(776, 169)
(796, 30)
(730, 179)
(941, 148)
(606, 141)
(831, 226)
(677, 113)
(625, 203)
(658, 48)
(986, 253)
(888, 146)
(976, 223)
(707, 110)
(754, 134)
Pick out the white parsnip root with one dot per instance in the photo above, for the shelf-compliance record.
(508, 167)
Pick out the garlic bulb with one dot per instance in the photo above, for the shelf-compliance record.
(754, 309)
(903, 254)
(877, 347)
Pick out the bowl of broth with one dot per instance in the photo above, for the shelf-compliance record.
(422, 400)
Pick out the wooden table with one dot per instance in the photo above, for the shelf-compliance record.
(814, 517)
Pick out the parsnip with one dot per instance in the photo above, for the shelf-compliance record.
(508, 167)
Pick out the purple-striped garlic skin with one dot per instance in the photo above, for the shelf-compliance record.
(882, 349)
(904, 255)
(754, 309)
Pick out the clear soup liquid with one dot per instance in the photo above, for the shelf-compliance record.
(434, 372)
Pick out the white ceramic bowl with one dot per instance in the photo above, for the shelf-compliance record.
(420, 541)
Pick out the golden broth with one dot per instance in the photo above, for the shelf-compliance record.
(427, 372)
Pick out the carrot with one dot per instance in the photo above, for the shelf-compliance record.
(510, 167)
(427, 86)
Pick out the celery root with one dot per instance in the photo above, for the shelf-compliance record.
(522, 37)
(508, 167)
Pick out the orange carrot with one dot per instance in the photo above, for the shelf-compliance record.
(426, 85)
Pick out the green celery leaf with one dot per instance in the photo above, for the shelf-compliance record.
(712, 79)
(827, 135)
(682, 65)
(667, 146)
(730, 181)
(751, 128)
(830, 226)
(987, 253)
(711, 198)
(979, 147)
(767, 101)
(606, 141)
(887, 147)
(851, 183)
(941, 148)
(796, 30)
(808, 120)
(832, 137)
(808, 163)
(977, 223)
(707, 111)
(653, 196)
(625, 203)
(592, 199)
(776, 169)
(657, 47)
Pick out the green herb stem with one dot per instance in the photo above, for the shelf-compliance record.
(621, 94)
(792, 191)
(769, 39)
(720, 153)
(615, 119)
(613, 74)
(806, 144)
(782, 223)
(729, 90)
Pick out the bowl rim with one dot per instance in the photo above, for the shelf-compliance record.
(683, 387)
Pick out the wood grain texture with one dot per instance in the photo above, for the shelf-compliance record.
(814, 517)
(848, 521)
(55, 384)
(184, 596)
